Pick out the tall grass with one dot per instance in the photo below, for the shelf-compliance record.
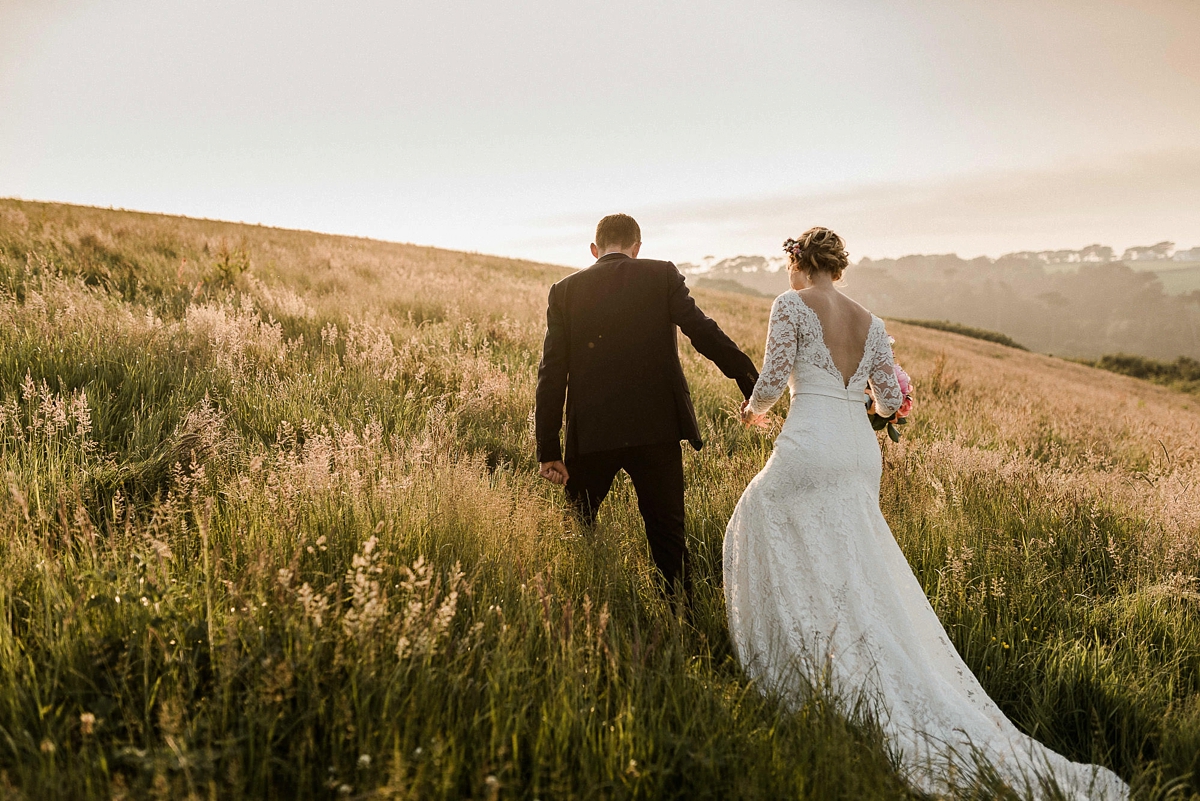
(1182, 374)
(272, 529)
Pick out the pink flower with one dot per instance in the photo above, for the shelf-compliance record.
(902, 379)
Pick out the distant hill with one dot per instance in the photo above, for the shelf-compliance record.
(967, 331)
(763, 275)
(1080, 304)
(1182, 374)
(729, 285)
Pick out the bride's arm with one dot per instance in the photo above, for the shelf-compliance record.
(887, 392)
(780, 357)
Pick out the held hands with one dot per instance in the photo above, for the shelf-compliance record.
(555, 472)
(752, 419)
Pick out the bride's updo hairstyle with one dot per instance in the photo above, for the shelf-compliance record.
(818, 250)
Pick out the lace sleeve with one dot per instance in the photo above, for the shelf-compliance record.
(780, 358)
(888, 396)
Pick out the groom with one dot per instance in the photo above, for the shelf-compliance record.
(611, 355)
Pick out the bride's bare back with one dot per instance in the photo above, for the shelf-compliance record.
(844, 326)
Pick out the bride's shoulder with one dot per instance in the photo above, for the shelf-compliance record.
(858, 308)
(787, 306)
(863, 313)
(787, 299)
(877, 331)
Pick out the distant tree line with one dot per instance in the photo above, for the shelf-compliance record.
(1183, 373)
(966, 331)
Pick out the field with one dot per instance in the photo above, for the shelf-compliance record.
(272, 529)
(1183, 374)
(967, 331)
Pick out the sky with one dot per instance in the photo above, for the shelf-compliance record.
(971, 126)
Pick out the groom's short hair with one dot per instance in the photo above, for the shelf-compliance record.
(618, 229)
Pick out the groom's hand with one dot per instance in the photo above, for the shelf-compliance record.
(554, 472)
(752, 419)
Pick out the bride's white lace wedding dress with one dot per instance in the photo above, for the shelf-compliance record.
(818, 590)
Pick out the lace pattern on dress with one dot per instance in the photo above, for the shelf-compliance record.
(783, 339)
(888, 396)
(795, 335)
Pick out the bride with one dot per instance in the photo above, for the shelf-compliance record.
(817, 589)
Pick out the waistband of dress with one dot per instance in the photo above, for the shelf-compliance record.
(852, 395)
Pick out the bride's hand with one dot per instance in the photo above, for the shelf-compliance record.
(873, 409)
(752, 419)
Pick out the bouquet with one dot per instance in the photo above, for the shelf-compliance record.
(901, 416)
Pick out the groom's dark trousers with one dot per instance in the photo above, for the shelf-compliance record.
(657, 475)
(611, 357)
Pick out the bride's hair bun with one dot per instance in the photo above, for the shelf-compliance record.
(818, 250)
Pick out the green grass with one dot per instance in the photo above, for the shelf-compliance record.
(966, 331)
(1182, 374)
(272, 529)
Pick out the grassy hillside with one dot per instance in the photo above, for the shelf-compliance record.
(967, 331)
(272, 529)
(1182, 374)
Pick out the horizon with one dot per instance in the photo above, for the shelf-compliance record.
(697, 263)
(959, 127)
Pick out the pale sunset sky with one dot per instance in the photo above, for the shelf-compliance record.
(915, 126)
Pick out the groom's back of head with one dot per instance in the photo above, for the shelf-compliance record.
(618, 230)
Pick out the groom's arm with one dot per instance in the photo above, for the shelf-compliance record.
(552, 384)
(708, 338)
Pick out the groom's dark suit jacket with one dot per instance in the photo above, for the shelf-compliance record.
(611, 354)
